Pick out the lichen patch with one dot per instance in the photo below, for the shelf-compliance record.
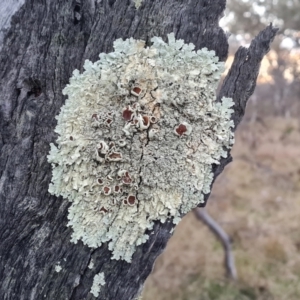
(137, 3)
(98, 282)
(58, 268)
(145, 131)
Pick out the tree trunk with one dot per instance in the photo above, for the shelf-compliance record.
(45, 42)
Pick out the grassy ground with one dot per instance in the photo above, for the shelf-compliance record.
(257, 201)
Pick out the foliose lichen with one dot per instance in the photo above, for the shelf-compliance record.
(97, 283)
(137, 3)
(91, 264)
(58, 268)
(137, 138)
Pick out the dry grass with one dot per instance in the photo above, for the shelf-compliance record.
(257, 201)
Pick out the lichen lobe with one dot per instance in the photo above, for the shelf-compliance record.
(145, 131)
(98, 282)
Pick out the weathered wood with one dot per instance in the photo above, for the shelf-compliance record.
(46, 41)
(7, 10)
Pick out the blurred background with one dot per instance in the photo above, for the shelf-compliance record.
(256, 200)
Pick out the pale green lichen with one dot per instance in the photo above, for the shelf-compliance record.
(97, 283)
(138, 135)
(137, 3)
(91, 264)
(58, 268)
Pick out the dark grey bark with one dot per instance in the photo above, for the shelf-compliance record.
(46, 41)
(7, 10)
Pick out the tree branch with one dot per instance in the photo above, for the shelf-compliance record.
(222, 236)
(240, 82)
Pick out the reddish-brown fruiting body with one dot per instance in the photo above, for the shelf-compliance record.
(103, 209)
(115, 156)
(146, 120)
(106, 190)
(131, 199)
(95, 116)
(127, 114)
(136, 90)
(181, 129)
(126, 178)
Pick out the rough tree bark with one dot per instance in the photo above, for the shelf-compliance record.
(45, 42)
